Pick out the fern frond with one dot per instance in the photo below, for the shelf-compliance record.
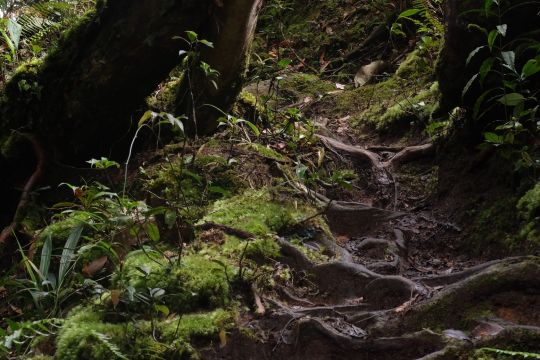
(105, 340)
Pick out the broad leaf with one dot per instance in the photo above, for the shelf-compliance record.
(511, 99)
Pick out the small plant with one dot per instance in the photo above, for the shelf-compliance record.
(18, 336)
(508, 73)
(49, 290)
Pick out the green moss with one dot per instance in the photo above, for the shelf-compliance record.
(529, 204)
(201, 325)
(164, 98)
(81, 336)
(266, 152)
(190, 186)
(415, 65)
(78, 337)
(494, 227)
(529, 213)
(418, 108)
(300, 85)
(197, 282)
(255, 211)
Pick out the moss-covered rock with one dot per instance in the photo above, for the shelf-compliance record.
(255, 211)
(86, 335)
(192, 283)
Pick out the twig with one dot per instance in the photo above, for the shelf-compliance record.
(258, 302)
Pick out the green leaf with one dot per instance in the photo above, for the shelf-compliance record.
(473, 53)
(487, 7)
(46, 253)
(511, 99)
(67, 253)
(253, 128)
(477, 27)
(283, 63)
(192, 36)
(207, 43)
(468, 85)
(152, 231)
(493, 138)
(485, 68)
(531, 68)
(14, 31)
(162, 309)
(409, 13)
(492, 36)
(219, 190)
(509, 60)
(149, 115)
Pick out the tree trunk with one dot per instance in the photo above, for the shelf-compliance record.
(82, 100)
(232, 33)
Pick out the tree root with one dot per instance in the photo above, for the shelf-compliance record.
(451, 307)
(406, 154)
(20, 211)
(448, 279)
(319, 340)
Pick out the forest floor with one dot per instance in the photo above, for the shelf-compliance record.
(323, 221)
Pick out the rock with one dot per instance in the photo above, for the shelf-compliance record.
(367, 72)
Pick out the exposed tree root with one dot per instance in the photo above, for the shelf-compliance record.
(451, 306)
(381, 169)
(448, 279)
(20, 211)
(404, 155)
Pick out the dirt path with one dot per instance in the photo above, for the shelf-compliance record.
(389, 290)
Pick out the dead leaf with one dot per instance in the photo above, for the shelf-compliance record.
(486, 329)
(340, 86)
(115, 297)
(222, 339)
(94, 266)
(403, 308)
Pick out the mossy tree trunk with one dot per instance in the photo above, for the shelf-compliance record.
(82, 100)
(232, 32)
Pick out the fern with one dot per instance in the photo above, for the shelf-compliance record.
(430, 14)
(516, 354)
(425, 15)
(106, 341)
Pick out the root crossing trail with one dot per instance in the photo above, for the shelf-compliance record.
(375, 298)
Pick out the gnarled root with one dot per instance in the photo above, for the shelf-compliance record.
(20, 211)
